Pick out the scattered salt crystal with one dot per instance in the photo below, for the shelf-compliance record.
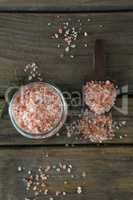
(49, 23)
(72, 176)
(58, 45)
(124, 122)
(73, 45)
(60, 30)
(57, 134)
(85, 34)
(58, 169)
(85, 45)
(51, 198)
(46, 155)
(64, 166)
(46, 191)
(101, 26)
(69, 170)
(89, 20)
(36, 193)
(56, 35)
(67, 49)
(71, 56)
(57, 193)
(64, 193)
(19, 168)
(79, 190)
(29, 172)
(70, 166)
(65, 182)
(83, 174)
(30, 78)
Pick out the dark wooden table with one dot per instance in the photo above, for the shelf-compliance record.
(25, 38)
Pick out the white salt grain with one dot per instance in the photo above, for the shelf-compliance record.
(19, 168)
(79, 190)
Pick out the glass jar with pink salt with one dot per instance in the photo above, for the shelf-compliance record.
(38, 110)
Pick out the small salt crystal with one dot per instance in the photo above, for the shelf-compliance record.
(46, 155)
(30, 78)
(58, 169)
(64, 166)
(71, 56)
(69, 170)
(70, 166)
(57, 193)
(65, 182)
(79, 190)
(34, 188)
(123, 122)
(85, 45)
(19, 168)
(29, 172)
(89, 20)
(58, 45)
(26, 199)
(57, 134)
(60, 30)
(83, 174)
(73, 45)
(85, 34)
(46, 191)
(49, 23)
(67, 49)
(56, 35)
(101, 26)
(64, 193)
(36, 193)
(121, 137)
(72, 176)
(47, 168)
(51, 198)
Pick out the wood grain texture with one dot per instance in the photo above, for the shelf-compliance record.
(108, 170)
(27, 37)
(9, 136)
(62, 5)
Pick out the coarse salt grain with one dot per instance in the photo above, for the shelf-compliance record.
(85, 34)
(79, 190)
(19, 168)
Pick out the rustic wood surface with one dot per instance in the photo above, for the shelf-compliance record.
(27, 37)
(9, 136)
(62, 5)
(108, 172)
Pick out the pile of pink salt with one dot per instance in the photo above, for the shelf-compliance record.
(37, 109)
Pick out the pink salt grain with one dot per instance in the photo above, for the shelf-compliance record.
(37, 109)
(100, 96)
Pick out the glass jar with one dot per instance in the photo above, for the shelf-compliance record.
(53, 130)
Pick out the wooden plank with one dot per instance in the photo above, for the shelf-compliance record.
(27, 37)
(62, 5)
(9, 136)
(108, 172)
